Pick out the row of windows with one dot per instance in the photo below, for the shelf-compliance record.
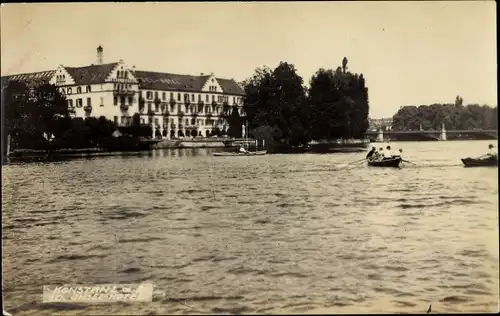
(122, 74)
(126, 120)
(78, 90)
(188, 97)
(188, 108)
(79, 102)
(123, 99)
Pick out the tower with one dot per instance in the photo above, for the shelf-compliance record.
(99, 55)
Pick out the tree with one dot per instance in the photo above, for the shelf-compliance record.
(277, 99)
(338, 104)
(234, 122)
(453, 116)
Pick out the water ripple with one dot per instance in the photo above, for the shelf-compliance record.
(278, 234)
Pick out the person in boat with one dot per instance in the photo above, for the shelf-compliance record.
(371, 152)
(379, 155)
(491, 154)
(387, 153)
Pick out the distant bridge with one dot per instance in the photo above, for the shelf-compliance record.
(442, 134)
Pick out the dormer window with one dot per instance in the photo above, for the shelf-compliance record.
(88, 89)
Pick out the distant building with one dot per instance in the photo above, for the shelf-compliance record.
(384, 123)
(173, 104)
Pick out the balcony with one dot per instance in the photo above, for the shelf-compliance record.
(124, 92)
(87, 108)
(124, 107)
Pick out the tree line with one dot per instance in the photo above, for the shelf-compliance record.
(282, 110)
(455, 116)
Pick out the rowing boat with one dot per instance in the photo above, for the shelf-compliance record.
(386, 162)
(248, 153)
(491, 161)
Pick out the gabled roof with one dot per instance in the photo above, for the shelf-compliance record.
(166, 81)
(33, 77)
(90, 74)
(230, 86)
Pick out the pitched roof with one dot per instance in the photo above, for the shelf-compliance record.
(166, 81)
(230, 86)
(90, 74)
(33, 77)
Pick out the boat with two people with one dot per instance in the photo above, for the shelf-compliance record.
(383, 158)
(242, 152)
(488, 160)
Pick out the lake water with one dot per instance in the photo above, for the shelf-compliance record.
(271, 234)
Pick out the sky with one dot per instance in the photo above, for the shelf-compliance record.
(410, 53)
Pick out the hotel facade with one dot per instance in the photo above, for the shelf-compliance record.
(173, 105)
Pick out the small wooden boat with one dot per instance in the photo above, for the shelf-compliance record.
(248, 153)
(386, 162)
(491, 161)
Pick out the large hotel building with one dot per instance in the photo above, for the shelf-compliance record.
(174, 105)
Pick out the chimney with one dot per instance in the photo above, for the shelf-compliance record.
(99, 55)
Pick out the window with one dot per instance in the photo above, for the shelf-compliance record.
(142, 121)
(122, 119)
(62, 91)
(102, 101)
(149, 94)
(156, 121)
(115, 118)
(213, 98)
(172, 121)
(122, 99)
(140, 94)
(207, 98)
(78, 90)
(171, 96)
(70, 103)
(130, 100)
(199, 97)
(192, 97)
(156, 108)
(115, 100)
(186, 97)
(88, 89)
(187, 121)
(178, 96)
(164, 96)
(156, 94)
(69, 90)
(149, 107)
(89, 102)
(79, 103)
(150, 120)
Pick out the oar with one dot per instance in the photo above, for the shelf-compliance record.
(357, 161)
(350, 163)
(409, 162)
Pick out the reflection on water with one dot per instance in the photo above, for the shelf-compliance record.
(266, 234)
